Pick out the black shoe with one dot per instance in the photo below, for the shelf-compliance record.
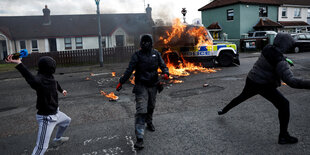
(221, 112)
(139, 144)
(287, 139)
(150, 127)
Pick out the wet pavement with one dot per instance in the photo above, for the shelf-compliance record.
(185, 116)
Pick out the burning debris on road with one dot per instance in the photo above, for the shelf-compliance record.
(176, 81)
(111, 96)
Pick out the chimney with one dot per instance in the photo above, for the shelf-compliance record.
(46, 15)
(149, 12)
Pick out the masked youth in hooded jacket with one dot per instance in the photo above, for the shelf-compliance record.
(48, 114)
(264, 78)
(145, 62)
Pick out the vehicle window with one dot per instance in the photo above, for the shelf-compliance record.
(301, 36)
(294, 36)
(260, 34)
(250, 34)
(308, 36)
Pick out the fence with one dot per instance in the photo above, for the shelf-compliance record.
(80, 57)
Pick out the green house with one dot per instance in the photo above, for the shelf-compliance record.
(238, 17)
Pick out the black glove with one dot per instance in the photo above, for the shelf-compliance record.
(160, 87)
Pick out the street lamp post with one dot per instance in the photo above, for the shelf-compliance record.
(184, 11)
(99, 35)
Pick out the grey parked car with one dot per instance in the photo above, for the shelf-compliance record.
(302, 42)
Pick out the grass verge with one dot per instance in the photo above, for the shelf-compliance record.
(7, 67)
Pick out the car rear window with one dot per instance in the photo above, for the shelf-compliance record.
(308, 36)
(251, 34)
(301, 36)
(260, 34)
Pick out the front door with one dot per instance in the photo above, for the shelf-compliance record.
(119, 40)
(52, 43)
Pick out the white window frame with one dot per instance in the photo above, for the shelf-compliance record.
(78, 44)
(68, 45)
(284, 10)
(297, 12)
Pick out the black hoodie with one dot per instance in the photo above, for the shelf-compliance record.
(145, 62)
(271, 67)
(44, 84)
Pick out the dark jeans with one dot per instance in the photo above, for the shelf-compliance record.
(271, 94)
(145, 104)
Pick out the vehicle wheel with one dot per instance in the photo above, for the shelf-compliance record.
(296, 50)
(225, 59)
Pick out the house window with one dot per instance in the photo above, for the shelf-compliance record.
(68, 44)
(284, 12)
(103, 42)
(78, 43)
(230, 14)
(263, 11)
(297, 13)
(308, 15)
(22, 44)
(34, 44)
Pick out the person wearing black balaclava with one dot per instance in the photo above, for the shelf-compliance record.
(48, 114)
(145, 62)
(264, 78)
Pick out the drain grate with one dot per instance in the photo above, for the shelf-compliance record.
(7, 109)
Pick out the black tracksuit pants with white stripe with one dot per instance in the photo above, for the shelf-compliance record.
(46, 127)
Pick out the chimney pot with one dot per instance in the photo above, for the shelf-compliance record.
(46, 15)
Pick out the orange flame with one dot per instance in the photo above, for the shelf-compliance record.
(111, 96)
(177, 30)
(201, 34)
(132, 80)
(184, 69)
(113, 74)
(176, 81)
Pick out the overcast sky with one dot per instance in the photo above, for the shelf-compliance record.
(165, 9)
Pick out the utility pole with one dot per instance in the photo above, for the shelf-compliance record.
(99, 35)
(184, 11)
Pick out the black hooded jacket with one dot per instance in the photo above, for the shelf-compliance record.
(145, 62)
(271, 67)
(44, 84)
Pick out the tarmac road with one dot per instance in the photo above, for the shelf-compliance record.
(185, 117)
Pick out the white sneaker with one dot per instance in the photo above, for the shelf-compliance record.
(59, 141)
